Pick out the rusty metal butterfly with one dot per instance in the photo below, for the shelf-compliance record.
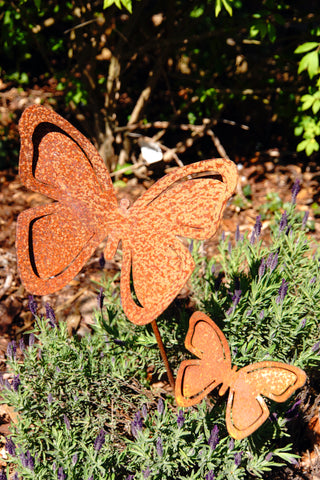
(246, 409)
(55, 240)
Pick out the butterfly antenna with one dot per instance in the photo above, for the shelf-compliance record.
(163, 353)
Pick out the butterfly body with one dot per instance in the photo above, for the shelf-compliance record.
(246, 409)
(55, 240)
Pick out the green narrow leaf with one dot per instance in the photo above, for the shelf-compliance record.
(306, 47)
(313, 67)
(108, 3)
(128, 5)
(227, 6)
(272, 32)
(217, 8)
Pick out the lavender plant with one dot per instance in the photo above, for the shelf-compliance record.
(85, 407)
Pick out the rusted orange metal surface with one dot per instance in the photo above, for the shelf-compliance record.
(54, 241)
(246, 410)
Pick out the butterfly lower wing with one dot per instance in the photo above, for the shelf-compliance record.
(196, 378)
(176, 205)
(246, 409)
(59, 162)
(245, 413)
(52, 245)
(158, 271)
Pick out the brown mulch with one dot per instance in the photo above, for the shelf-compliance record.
(76, 301)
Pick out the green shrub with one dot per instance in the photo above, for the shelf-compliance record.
(86, 409)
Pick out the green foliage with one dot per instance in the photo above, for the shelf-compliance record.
(248, 303)
(72, 393)
(210, 59)
(118, 3)
(309, 125)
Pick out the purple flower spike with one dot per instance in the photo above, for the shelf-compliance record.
(50, 399)
(22, 345)
(210, 475)
(268, 457)
(180, 419)
(144, 411)
(258, 226)
(130, 477)
(100, 298)
(50, 316)
(272, 261)
(237, 234)
(214, 437)
(33, 306)
(282, 291)
(29, 461)
(253, 237)
(159, 447)
(23, 459)
(236, 297)
(231, 444)
(61, 475)
(74, 459)
(16, 383)
(67, 422)
(316, 347)
(237, 459)
(100, 440)
(12, 350)
(136, 424)
(190, 248)
(102, 261)
(146, 472)
(10, 447)
(305, 219)
(303, 323)
(31, 339)
(160, 406)
(3, 475)
(283, 221)
(295, 190)
(262, 268)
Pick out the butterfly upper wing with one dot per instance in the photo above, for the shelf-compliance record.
(246, 409)
(177, 205)
(196, 378)
(54, 241)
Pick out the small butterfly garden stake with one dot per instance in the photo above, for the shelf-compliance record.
(54, 241)
(246, 409)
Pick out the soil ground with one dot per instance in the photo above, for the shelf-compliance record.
(265, 174)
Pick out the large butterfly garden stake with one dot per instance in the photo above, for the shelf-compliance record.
(55, 240)
(246, 409)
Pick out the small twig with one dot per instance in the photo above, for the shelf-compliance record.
(218, 144)
(126, 169)
(80, 25)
